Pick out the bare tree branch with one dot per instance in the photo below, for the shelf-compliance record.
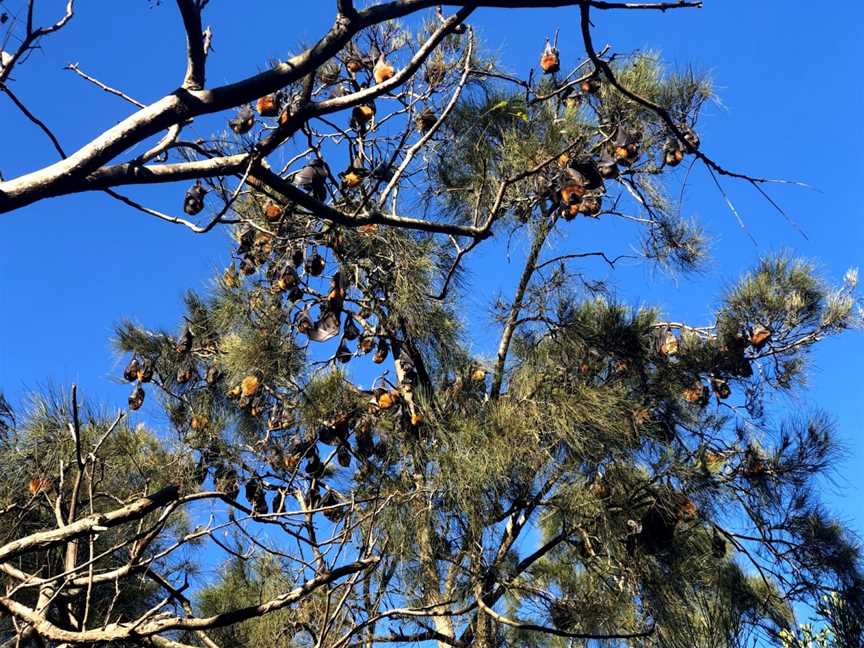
(196, 54)
(73, 67)
(151, 628)
(187, 102)
(90, 524)
(29, 115)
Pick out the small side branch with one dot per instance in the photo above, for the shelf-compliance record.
(196, 53)
(430, 132)
(33, 118)
(531, 627)
(73, 67)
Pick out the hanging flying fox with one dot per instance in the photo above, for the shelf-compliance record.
(312, 179)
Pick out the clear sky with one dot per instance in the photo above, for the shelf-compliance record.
(786, 71)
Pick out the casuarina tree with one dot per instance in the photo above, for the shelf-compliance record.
(335, 451)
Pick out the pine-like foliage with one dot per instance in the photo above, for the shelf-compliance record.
(606, 477)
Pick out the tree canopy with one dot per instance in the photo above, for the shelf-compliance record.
(336, 452)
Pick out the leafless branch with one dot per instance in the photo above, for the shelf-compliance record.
(196, 51)
(29, 115)
(73, 67)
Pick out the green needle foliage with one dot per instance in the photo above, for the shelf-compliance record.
(606, 477)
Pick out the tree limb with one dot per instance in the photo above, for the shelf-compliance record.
(90, 524)
(196, 56)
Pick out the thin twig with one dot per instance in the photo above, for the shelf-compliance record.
(77, 70)
(29, 115)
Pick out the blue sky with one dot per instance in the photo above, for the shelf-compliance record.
(791, 101)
